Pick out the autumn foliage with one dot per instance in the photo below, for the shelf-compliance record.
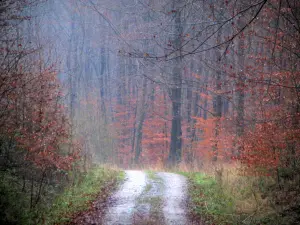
(36, 117)
(243, 106)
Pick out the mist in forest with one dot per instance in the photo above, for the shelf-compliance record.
(190, 85)
(163, 82)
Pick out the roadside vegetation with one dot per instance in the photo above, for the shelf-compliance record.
(57, 203)
(99, 182)
(46, 164)
(227, 196)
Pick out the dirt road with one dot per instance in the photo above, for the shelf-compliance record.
(145, 198)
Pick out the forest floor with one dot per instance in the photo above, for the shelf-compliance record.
(143, 198)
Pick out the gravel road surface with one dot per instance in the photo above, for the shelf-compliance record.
(145, 198)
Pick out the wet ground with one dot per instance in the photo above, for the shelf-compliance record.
(144, 198)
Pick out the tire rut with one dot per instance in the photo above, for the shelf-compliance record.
(123, 201)
(144, 199)
(175, 198)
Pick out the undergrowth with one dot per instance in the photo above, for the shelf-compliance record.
(58, 203)
(79, 196)
(208, 199)
(231, 198)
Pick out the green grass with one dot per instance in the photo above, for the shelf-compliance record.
(58, 204)
(232, 197)
(79, 197)
(209, 200)
(147, 188)
(152, 175)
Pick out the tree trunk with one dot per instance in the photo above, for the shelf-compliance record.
(217, 103)
(140, 122)
(240, 95)
(176, 132)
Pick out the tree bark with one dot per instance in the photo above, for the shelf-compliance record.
(176, 131)
(140, 122)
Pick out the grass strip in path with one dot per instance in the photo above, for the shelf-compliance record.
(148, 210)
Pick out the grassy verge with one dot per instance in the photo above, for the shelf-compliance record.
(235, 199)
(209, 201)
(98, 181)
(58, 201)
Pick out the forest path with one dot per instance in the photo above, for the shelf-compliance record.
(144, 198)
(149, 198)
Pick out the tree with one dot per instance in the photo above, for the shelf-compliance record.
(176, 87)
